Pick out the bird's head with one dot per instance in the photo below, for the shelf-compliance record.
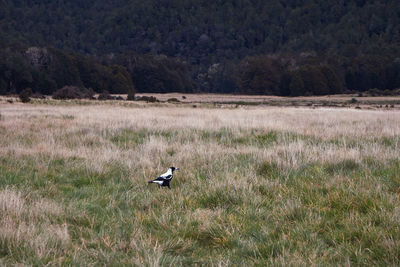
(173, 168)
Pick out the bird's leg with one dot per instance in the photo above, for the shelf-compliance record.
(159, 186)
(169, 187)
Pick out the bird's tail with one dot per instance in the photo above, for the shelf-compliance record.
(150, 181)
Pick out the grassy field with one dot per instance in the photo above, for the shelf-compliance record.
(256, 185)
(341, 101)
(226, 100)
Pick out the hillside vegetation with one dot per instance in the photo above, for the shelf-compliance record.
(295, 47)
(204, 30)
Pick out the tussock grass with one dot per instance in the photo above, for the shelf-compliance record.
(256, 186)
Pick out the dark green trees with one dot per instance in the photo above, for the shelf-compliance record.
(313, 80)
(259, 75)
(156, 74)
(46, 70)
(287, 76)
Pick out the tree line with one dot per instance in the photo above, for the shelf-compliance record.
(198, 45)
(308, 74)
(45, 70)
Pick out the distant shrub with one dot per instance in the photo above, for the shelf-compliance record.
(374, 92)
(89, 93)
(69, 92)
(150, 99)
(73, 92)
(25, 95)
(105, 95)
(172, 100)
(349, 92)
(353, 100)
(183, 97)
(396, 92)
(38, 95)
(387, 92)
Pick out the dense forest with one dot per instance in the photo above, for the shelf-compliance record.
(293, 47)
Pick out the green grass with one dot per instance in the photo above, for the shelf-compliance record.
(232, 210)
(298, 214)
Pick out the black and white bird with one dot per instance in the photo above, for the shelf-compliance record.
(164, 179)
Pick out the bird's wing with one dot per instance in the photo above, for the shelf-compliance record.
(161, 178)
(168, 177)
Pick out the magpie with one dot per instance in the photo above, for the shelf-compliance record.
(164, 179)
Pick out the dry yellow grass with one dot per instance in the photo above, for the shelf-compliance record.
(207, 98)
(227, 100)
(82, 131)
(345, 100)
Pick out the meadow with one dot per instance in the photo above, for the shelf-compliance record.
(256, 186)
(343, 101)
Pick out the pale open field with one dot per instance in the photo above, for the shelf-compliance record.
(366, 102)
(258, 185)
(352, 101)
